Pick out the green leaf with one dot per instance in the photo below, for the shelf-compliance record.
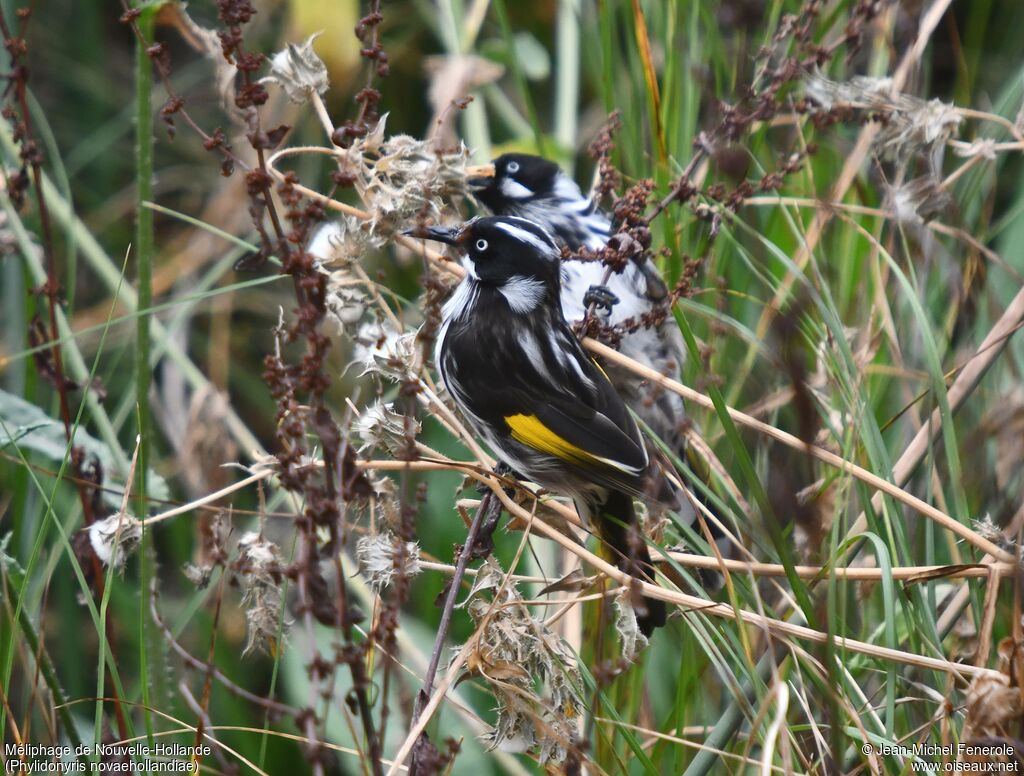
(525, 52)
(533, 57)
(28, 427)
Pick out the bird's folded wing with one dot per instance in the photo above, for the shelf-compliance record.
(580, 436)
(559, 403)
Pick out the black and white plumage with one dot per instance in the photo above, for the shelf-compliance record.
(517, 372)
(537, 189)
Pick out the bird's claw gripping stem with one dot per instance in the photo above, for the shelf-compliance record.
(600, 296)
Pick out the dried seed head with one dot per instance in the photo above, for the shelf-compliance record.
(338, 243)
(114, 538)
(258, 563)
(198, 575)
(345, 304)
(995, 704)
(858, 92)
(385, 492)
(381, 558)
(384, 351)
(516, 654)
(382, 427)
(402, 178)
(630, 636)
(257, 553)
(335, 246)
(299, 71)
(912, 126)
(918, 201)
(986, 528)
(992, 704)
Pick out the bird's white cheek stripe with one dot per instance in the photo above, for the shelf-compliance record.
(524, 236)
(515, 190)
(523, 294)
(470, 266)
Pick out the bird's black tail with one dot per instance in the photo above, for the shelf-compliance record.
(618, 527)
(665, 493)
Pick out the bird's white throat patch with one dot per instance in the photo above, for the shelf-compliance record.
(522, 293)
(515, 190)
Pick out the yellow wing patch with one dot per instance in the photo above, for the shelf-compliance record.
(529, 430)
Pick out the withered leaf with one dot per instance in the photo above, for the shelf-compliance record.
(506, 670)
(573, 582)
(939, 573)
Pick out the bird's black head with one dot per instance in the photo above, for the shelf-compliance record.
(516, 256)
(518, 179)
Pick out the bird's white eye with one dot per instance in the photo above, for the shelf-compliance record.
(512, 167)
(481, 245)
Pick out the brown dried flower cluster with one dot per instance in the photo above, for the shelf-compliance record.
(516, 653)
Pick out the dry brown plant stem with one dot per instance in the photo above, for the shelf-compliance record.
(723, 610)
(209, 668)
(978, 570)
(487, 505)
(965, 383)
(777, 627)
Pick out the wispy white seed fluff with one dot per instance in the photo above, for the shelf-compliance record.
(380, 561)
(383, 350)
(299, 71)
(630, 636)
(381, 427)
(114, 538)
(529, 668)
(912, 126)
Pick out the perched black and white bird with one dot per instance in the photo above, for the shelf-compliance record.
(537, 189)
(518, 373)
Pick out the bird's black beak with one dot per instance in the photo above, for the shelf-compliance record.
(444, 234)
(480, 177)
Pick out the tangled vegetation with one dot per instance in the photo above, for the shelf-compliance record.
(240, 515)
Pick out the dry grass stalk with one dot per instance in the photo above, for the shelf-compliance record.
(851, 167)
(821, 454)
(722, 610)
